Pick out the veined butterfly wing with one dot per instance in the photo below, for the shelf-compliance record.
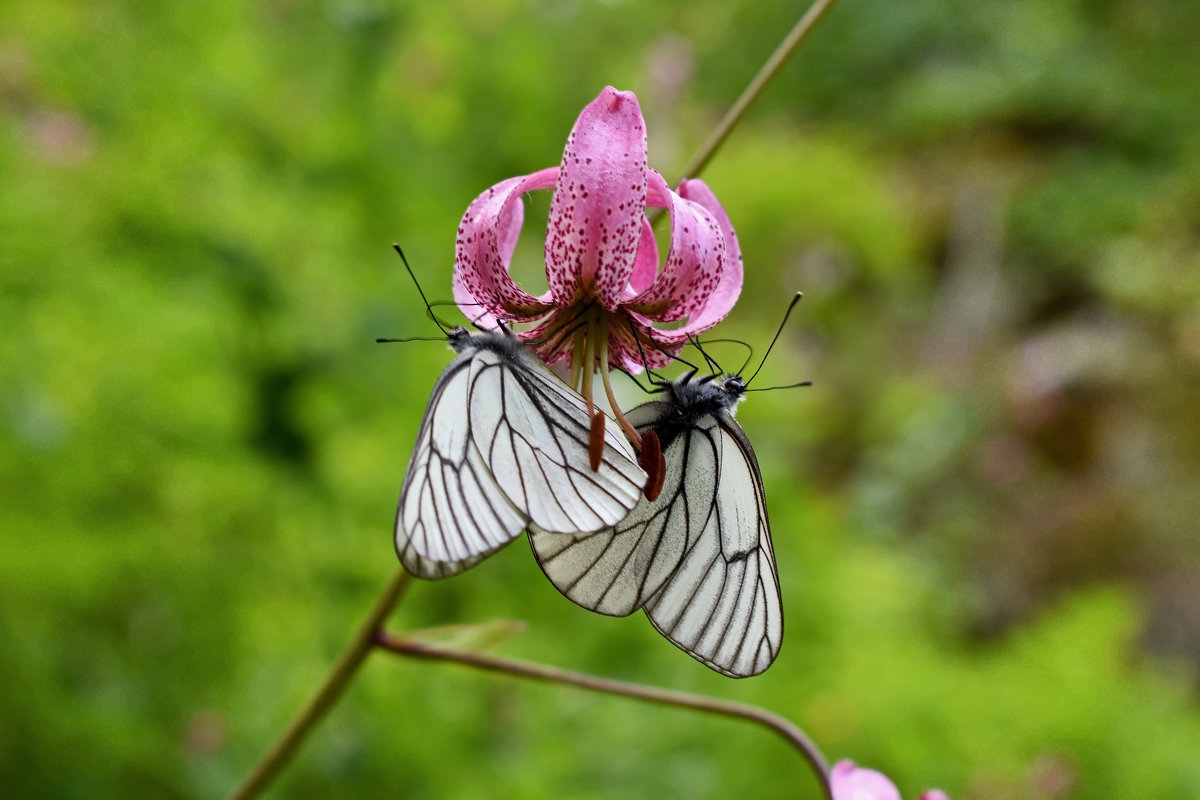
(615, 572)
(452, 513)
(698, 558)
(504, 442)
(722, 604)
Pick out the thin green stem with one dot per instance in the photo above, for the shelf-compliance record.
(335, 683)
(409, 646)
(751, 93)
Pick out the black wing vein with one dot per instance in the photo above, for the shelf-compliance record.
(504, 442)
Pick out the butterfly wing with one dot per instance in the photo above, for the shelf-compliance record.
(452, 513)
(698, 558)
(722, 604)
(504, 441)
(615, 571)
(534, 433)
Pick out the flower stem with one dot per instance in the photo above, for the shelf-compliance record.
(751, 93)
(797, 738)
(335, 683)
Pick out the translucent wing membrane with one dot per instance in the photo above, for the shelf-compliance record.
(534, 432)
(616, 571)
(504, 442)
(722, 604)
(451, 511)
(698, 558)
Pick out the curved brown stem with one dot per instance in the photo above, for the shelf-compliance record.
(335, 683)
(415, 648)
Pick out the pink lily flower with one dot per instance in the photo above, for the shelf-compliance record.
(851, 782)
(607, 289)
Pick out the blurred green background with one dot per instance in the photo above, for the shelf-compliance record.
(985, 510)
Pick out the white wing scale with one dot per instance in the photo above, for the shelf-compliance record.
(722, 604)
(614, 572)
(698, 559)
(504, 441)
(534, 432)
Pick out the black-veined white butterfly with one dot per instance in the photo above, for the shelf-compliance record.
(698, 558)
(505, 443)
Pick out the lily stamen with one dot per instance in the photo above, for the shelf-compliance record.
(601, 360)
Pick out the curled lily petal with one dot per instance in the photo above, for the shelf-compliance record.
(694, 262)
(471, 308)
(720, 302)
(487, 236)
(607, 292)
(645, 265)
(597, 210)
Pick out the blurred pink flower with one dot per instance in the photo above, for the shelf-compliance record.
(605, 281)
(850, 782)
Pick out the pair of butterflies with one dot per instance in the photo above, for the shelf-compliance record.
(505, 446)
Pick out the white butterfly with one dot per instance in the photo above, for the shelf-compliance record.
(505, 443)
(698, 557)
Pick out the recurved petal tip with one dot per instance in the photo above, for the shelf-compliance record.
(484, 246)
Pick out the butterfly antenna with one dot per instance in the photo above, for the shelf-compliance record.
(778, 331)
(713, 366)
(637, 340)
(749, 351)
(773, 388)
(660, 349)
(411, 339)
(460, 305)
(420, 291)
(633, 378)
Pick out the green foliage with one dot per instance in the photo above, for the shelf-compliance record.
(984, 510)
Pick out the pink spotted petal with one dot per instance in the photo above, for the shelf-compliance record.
(933, 794)
(633, 355)
(487, 236)
(597, 209)
(721, 301)
(645, 265)
(471, 308)
(694, 263)
(850, 782)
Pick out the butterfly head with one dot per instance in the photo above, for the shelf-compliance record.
(705, 395)
(459, 338)
(734, 386)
